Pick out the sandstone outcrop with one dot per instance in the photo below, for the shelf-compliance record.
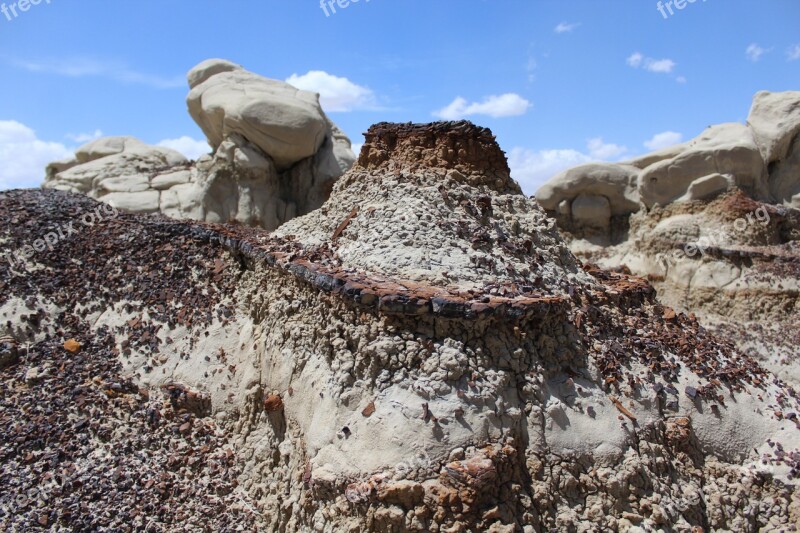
(422, 353)
(273, 155)
(727, 149)
(111, 164)
(761, 158)
(717, 229)
(618, 183)
(590, 197)
(282, 121)
(775, 121)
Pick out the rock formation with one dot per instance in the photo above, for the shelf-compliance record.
(422, 353)
(762, 158)
(716, 228)
(275, 155)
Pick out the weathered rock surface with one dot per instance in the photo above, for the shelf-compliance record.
(422, 353)
(108, 164)
(617, 182)
(274, 156)
(775, 121)
(726, 149)
(762, 158)
(717, 231)
(285, 123)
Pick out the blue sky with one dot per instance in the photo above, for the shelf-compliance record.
(559, 82)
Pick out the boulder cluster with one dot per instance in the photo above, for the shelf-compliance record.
(274, 155)
(761, 158)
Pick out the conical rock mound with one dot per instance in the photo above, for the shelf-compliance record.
(435, 204)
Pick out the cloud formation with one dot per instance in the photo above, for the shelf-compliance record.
(84, 137)
(504, 105)
(663, 140)
(566, 27)
(23, 156)
(191, 148)
(533, 168)
(659, 66)
(86, 67)
(599, 149)
(336, 94)
(754, 52)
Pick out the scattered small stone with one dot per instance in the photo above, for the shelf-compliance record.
(72, 346)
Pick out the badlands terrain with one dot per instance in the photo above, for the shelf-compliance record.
(284, 336)
(713, 224)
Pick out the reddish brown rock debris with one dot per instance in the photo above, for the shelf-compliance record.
(470, 150)
(635, 326)
(621, 313)
(319, 267)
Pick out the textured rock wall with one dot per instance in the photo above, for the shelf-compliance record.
(470, 150)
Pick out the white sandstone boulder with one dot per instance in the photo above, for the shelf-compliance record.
(108, 146)
(775, 121)
(113, 164)
(208, 68)
(708, 187)
(616, 182)
(592, 210)
(646, 160)
(727, 149)
(286, 123)
(276, 156)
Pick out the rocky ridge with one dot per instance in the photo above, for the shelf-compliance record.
(422, 353)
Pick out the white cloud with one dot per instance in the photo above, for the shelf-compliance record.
(598, 149)
(635, 60)
(357, 148)
(23, 156)
(84, 137)
(681, 79)
(533, 168)
(191, 148)
(664, 140)
(793, 53)
(660, 66)
(754, 52)
(505, 105)
(664, 66)
(85, 67)
(335, 93)
(565, 27)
